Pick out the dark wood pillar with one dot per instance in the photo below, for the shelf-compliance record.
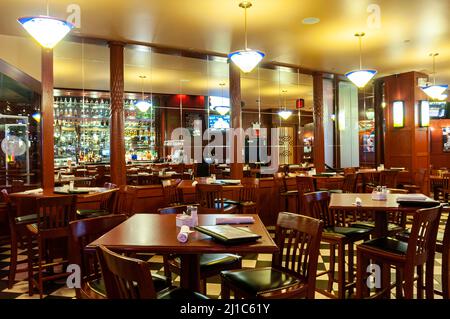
(319, 142)
(47, 139)
(236, 120)
(118, 168)
(408, 146)
(379, 122)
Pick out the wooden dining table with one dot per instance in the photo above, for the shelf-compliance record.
(154, 233)
(346, 202)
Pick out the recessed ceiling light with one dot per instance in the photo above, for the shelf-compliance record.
(310, 20)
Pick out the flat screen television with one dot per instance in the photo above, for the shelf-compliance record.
(219, 122)
(439, 110)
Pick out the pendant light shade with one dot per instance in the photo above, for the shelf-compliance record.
(435, 91)
(46, 30)
(285, 114)
(222, 109)
(362, 76)
(143, 105)
(246, 59)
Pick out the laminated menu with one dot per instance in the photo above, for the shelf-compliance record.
(227, 234)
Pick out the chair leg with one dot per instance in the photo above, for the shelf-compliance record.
(409, 283)
(30, 266)
(224, 291)
(351, 271)
(40, 270)
(361, 265)
(341, 271)
(332, 267)
(398, 283)
(13, 261)
(420, 284)
(429, 278)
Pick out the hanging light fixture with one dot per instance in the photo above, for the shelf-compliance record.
(360, 77)
(142, 104)
(246, 59)
(46, 30)
(222, 109)
(285, 113)
(434, 91)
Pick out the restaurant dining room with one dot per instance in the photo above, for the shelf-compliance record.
(224, 151)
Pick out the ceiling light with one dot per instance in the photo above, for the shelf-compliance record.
(370, 114)
(246, 59)
(436, 92)
(360, 77)
(142, 104)
(285, 114)
(310, 20)
(222, 109)
(46, 30)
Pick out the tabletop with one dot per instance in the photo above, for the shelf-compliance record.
(158, 233)
(346, 201)
(38, 192)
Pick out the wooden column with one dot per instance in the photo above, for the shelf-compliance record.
(319, 142)
(47, 139)
(118, 168)
(409, 146)
(379, 121)
(236, 121)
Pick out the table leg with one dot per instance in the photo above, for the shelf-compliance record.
(190, 272)
(381, 224)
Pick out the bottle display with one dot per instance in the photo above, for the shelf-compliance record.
(82, 131)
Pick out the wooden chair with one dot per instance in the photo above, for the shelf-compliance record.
(51, 230)
(20, 214)
(173, 196)
(443, 247)
(418, 183)
(129, 278)
(293, 271)
(405, 257)
(248, 200)
(305, 184)
(105, 202)
(124, 200)
(388, 178)
(338, 236)
(210, 264)
(84, 232)
(284, 195)
(211, 200)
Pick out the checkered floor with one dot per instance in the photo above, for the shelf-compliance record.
(57, 290)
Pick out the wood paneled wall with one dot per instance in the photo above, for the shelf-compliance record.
(438, 157)
(409, 146)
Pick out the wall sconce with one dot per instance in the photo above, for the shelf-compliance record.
(399, 113)
(424, 114)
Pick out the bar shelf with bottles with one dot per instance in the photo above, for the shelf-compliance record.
(82, 132)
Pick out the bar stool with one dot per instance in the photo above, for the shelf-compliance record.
(284, 194)
(337, 235)
(387, 251)
(305, 184)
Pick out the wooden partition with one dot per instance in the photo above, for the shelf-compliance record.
(407, 146)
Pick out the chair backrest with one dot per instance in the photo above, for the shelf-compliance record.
(446, 181)
(388, 178)
(349, 185)
(172, 210)
(84, 232)
(17, 186)
(422, 240)
(298, 238)
(305, 184)
(316, 204)
(124, 200)
(210, 198)
(125, 278)
(280, 181)
(444, 248)
(172, 194)
(55, 213)
(249, 191)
